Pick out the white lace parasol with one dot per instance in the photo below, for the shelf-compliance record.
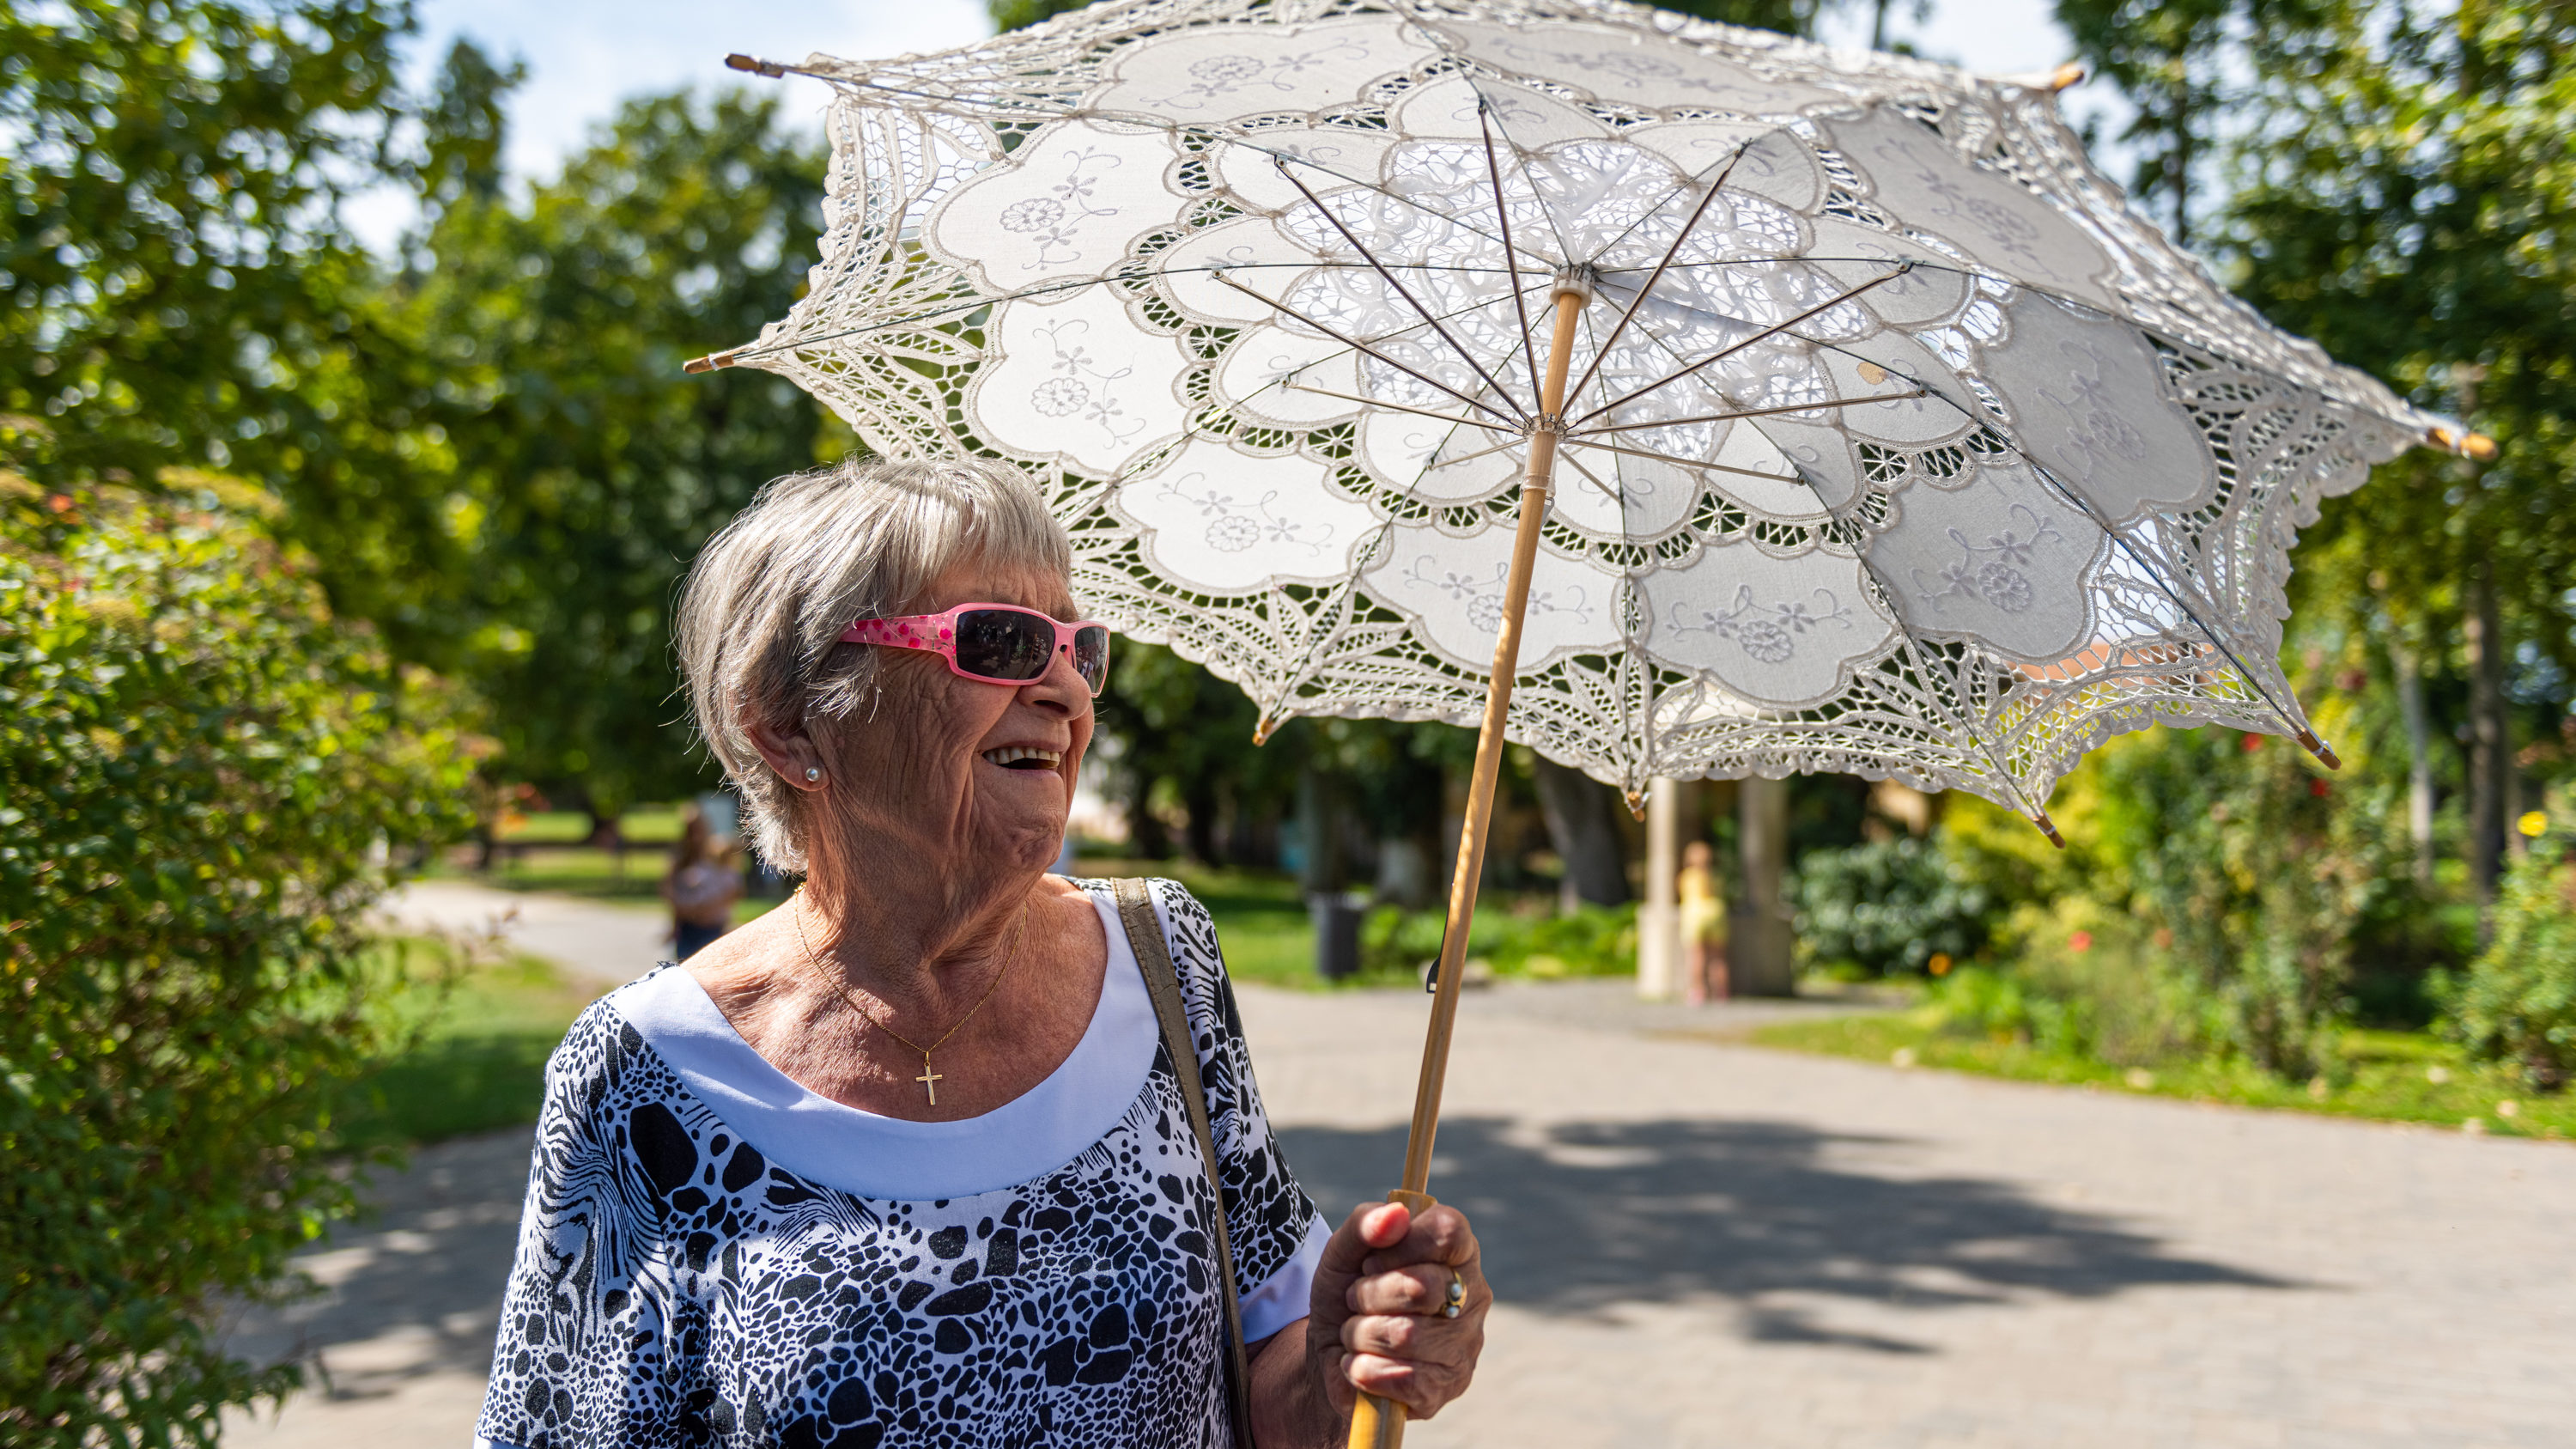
(1895, 443)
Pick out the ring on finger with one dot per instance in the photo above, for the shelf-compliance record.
(1456, 1298)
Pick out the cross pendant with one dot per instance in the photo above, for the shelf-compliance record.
(929, 1080)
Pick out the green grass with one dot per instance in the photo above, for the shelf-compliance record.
(581, 871)
(1260, 918)
(1260, 915)
(644, 825)
(2387, 1076)
(478, 1060)
(1269, 939)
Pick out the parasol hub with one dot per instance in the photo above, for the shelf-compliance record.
(1576, 283)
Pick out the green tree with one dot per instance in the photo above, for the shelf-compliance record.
(2181, 65)
(201, 775)
(2407, 197)
(182, 288)
(1018, 14)
(588, 469)
(174, 171)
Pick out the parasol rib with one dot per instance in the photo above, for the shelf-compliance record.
(1401, 290)
(1585, 441)
(1503, 215)
(1807, 407)
(1401, 408)
(1472, 457)
(1732, 348)
(1601, 354)
(1358, 346)
(2306, 737)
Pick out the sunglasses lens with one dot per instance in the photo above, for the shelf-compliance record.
(1004, 644)
(1091, 655)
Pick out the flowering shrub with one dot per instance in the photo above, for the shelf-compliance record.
(2517, 1002)
(2250, 874)
(202, 779)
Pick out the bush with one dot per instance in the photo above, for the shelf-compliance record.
(2252, 873)
(2518, 1000)
(1889, 906)
(2100, 987)
(202, 779)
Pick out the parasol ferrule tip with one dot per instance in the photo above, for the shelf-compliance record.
(1636, 804)
(2048, 828)
(754, 64)
(2477, 446)
(2324, 752)
(708, 363)
(2067, 76)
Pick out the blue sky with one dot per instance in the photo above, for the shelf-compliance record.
(584, 55)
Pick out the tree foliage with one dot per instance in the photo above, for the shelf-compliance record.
(2409, 201)
(1890, 906)
(2182, 65)
(172, 238)
(183, 290)
(2517, 1002)
(202, 777)
(587, 469)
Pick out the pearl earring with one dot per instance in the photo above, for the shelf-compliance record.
(813, 772)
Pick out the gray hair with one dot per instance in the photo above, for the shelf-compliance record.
(762, 611)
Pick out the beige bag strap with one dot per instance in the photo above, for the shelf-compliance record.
(1163, 983)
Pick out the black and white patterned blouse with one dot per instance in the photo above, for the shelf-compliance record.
(712, 1254)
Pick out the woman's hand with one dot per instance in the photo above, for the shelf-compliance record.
(1379, 1320)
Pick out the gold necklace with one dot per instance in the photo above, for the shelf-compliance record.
(929, 1079)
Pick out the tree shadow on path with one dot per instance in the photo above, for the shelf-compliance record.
(428, 1263)
(1578, 1217)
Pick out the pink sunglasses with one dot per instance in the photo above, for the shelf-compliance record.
(995, 643)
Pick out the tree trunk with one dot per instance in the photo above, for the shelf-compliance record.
(1758, 945)
(2419, 752)
(1319, 821)
(1205, 842)
(2488, 759)
(1147, 839)
(1585, 832)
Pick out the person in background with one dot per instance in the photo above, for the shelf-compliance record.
(1703, 925)
(701, 885)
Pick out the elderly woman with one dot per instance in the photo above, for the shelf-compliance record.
(910, 1159)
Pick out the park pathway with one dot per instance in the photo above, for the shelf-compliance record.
(600, 944)
(1703, 1243)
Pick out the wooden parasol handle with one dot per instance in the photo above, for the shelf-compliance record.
(1378, 1423)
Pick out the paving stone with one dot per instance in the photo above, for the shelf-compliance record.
(1701, 1243)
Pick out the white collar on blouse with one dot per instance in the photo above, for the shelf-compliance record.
(860, 1152)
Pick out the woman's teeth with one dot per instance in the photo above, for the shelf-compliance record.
(1021, 757)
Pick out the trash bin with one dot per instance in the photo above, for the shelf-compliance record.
(1337, 916)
